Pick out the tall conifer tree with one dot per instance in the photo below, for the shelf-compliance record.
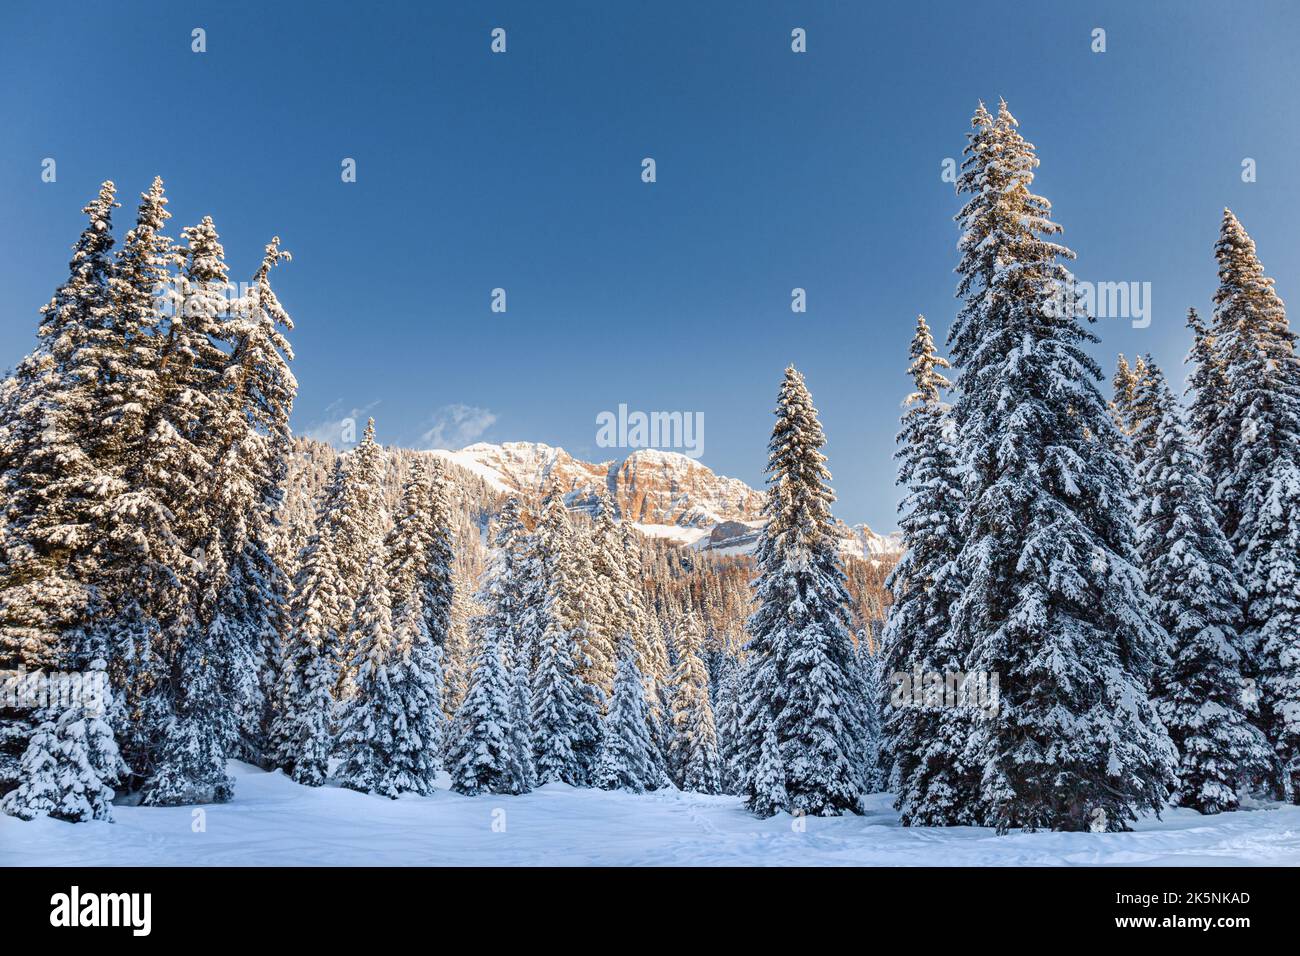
(925, 746)
(1190, 574)
(801, 691)
(1052, 601)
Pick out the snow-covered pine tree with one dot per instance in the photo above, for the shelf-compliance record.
(505, 595)
(624, 761)
(301, 731)
(358, 524)
(1208, 390)
(1254, 350)
(50, 485)
(612, 599)
(191, 764)
(55, 489)
(141, 554)
(69, 766)
(932, 782)
(652, 654)
(415, 674)
(418, 569)
(421, 549)
(372, 719)
(870, 687)
(491, 748)
(520, 729)
(1125, 385)
(238, 617)
(565, 721)
(1270, 538)
(728, 718)
(481, 758)
(410, 539)
(766, 793)
(1052, 603)
(252, 603)
(802, 677)
(571, 571)
(1191, 577)
(192, 467)
(1131, 407)
(693, 750)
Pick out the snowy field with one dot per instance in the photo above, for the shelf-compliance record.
(273, 821)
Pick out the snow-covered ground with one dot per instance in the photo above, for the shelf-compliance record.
(274, 821)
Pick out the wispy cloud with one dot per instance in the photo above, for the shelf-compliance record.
(455, 426)
(341, 426)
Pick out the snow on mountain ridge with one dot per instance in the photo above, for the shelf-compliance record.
(664, 493)
(649, 486)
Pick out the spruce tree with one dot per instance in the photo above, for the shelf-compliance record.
(1125, 385)
(693, 750)
(372, 720)
(925, 746)
(613, 600)
(418, 569)
(557, 698)
(1254, 352)
(1270, 540)
(52, 513)
(192, 760)
(185, 453)
(519, 732)
(68, 768)
(421, 549)
(728, 718)
(53, 484)
(870, 687)
(301, 731)
(566, 729)
(481, 758)
(652, 655)
(801, 686)
(1052, 601)
(766, 793)
(143, 559)
(624, 761)
(253, 597)
(1208, 389)
(416, 675)
(358, 524)
(1258, 493)
(1191, 576)
(505, 597)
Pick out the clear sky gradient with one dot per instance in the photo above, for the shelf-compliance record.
(523, 171)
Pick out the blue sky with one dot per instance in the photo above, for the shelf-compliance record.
(523, 171)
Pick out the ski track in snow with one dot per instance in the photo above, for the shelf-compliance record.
(273, 821)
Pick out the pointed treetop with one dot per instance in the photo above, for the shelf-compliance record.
(800, 498)
(207, 258)
(509, 524)
(100, 208)
(925, 361)
(1239, 264)
(271, 258)
(1149, 372)
(152, 212)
